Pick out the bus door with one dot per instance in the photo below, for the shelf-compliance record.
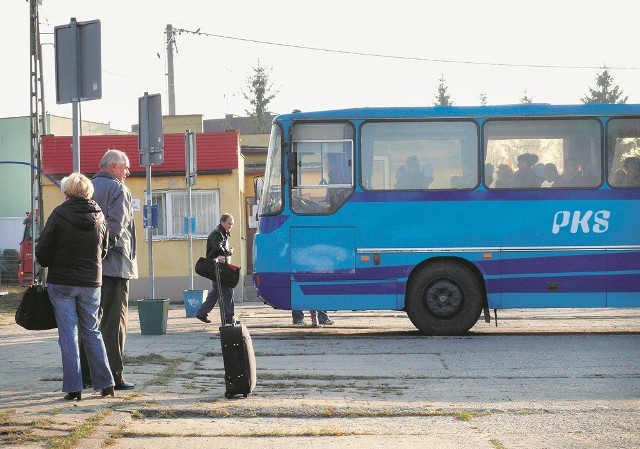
(323, 243)
(322, 263)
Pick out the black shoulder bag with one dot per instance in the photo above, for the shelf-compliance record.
(35, 311)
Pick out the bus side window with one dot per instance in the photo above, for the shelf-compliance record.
(623, 153)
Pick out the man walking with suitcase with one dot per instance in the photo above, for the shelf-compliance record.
(218, 248)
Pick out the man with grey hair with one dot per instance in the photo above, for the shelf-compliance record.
(114, 198)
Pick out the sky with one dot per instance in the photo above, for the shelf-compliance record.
(330, 54)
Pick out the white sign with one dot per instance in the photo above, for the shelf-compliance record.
(135, 204)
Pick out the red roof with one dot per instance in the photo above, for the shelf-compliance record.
(215, 151)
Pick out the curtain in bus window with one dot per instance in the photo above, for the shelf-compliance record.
(339, 169)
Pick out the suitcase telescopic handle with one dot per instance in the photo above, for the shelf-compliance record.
(219, 288)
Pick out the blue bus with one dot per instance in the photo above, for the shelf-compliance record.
(446, 212)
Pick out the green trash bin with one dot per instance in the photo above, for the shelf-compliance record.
(153, 314)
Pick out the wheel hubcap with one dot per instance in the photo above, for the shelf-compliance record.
(443, 298)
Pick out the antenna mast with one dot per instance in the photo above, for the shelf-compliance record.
(38, 126)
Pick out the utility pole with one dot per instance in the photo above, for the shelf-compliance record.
(171, 42)
(38, 125)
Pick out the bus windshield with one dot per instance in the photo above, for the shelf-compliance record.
(271, 201)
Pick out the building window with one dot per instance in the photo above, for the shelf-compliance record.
(172, 213)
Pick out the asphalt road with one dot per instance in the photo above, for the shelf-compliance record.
(541, 379)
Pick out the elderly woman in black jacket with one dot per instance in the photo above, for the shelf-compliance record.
(72, 245)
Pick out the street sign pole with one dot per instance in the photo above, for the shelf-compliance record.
(190, 178)
(148, 201)
(150, 145)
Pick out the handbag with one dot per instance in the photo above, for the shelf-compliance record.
(206, 268)
(229, 274)
(35, 311)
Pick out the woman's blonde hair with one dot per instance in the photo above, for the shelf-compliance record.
(77, 184)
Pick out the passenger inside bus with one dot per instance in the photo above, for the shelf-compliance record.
(504, 175)
(632, 171)
(466, 181)
(619, 178)
(571, 175)
(525, 177)
(550, 176)
(488, 173)
(410, 177)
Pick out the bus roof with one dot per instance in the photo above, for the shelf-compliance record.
(508, 110)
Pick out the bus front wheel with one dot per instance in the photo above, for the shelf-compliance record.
(444, 298)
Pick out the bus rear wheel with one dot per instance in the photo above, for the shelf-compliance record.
(444, 298)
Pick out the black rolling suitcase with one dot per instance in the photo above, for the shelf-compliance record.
(237, 353)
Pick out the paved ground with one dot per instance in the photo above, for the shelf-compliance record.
(541, 379)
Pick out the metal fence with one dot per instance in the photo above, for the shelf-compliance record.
(9, 267)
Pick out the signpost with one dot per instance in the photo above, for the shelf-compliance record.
(190, 179)
(193, 299)
(151, 147)
(78, 71)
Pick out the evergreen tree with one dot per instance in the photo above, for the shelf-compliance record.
(526, 99)
(483, 99)
(260, 94)
(442, 98)
(606, 92)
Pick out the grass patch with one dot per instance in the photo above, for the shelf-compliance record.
(9, 303)
(310, 432)
(299, 412)
(5, 416)
(21, 433)
(497, 444)
(137, 414)
(51, 379)
(531, 412)
(165, 376)
(82, 431)
(466, 415)
(148, 359)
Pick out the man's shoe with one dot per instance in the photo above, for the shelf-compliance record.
(299, 323)
(124, 386)
(204, 319)
(328, 322)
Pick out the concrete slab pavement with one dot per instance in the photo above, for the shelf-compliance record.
(542, 378)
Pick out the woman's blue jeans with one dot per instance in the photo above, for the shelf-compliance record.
(76, 310)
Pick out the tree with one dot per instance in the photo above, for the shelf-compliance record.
(483, 99)
(260, 94)
(606, 92)
(442, 98)
(526, 99)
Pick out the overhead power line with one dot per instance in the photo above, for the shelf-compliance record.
(406, 58)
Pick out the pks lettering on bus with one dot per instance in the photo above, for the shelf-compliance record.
(579, 221)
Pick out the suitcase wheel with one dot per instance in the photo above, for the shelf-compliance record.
(228, 395)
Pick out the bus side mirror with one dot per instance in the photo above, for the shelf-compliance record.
(258, 185)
